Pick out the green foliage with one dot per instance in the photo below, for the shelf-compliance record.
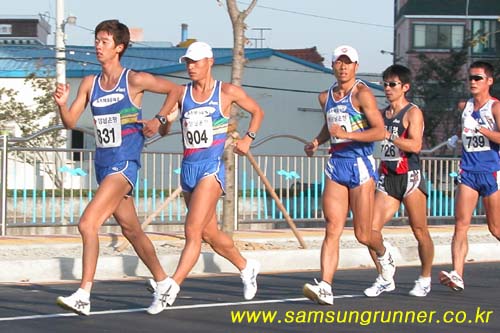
(437, 88)
(33, 118)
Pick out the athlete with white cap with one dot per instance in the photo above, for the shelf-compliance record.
(352, 123)
(205, 105)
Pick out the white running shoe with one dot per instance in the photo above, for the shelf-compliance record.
(320, 293)
(249, 278)
(379, 286)
(387, 264)
(151, 285)
(422, 287)
(164, 295)
(452, 280)
(78, 302)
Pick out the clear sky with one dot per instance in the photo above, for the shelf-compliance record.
(365, 24)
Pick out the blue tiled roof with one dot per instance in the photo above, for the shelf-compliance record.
(22, 60)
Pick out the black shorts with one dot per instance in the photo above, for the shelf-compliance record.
(399, 186)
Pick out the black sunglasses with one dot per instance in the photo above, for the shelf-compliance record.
(476, 77)
(391, 84)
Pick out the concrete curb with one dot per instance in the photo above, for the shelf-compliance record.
(121, 266)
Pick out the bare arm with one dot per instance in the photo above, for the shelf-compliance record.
(141, 82)
(238, 96)
(70, 116)
(364, 100)
(493, 136)
(415, 123)
(323, 135)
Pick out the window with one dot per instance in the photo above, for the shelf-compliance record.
(77, 142)
(483, 33)
(438, 36)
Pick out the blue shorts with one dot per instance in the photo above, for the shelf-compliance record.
(486, 183)
(127, 169)
(351, 172)
(193, 172)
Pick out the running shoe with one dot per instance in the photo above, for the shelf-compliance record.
(249, 278)
(452, 280)
(422, 288)
(164, 295)
(78, 302)
(320, 293)
(379, 286)
(388, 268)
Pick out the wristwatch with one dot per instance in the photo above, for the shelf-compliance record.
(162, 119)
(252, 135)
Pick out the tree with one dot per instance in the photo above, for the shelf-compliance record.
(438, 87)
(238, 22)
(30, 120)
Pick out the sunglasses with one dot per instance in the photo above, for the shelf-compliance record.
(391, 84)
(477, 77)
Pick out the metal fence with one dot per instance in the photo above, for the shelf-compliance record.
(51, 186)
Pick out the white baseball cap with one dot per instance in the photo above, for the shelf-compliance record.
(198, 51)
(346, 50)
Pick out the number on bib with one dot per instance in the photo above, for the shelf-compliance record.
(108, 130)
(198, 132)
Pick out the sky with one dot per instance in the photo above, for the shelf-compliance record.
(366, 25)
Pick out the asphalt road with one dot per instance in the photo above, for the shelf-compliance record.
(215, 304)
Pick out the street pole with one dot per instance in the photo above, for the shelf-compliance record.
(60, 47)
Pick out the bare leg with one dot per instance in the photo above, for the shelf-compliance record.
(201, 205)
(415, 204)
(126, 217)
(361, 199)
(491, 204)
(222, 244)
(335, 206)
(108, 197)
(384, 208)
(466, 201)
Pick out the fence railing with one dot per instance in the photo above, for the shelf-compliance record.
(54, 190)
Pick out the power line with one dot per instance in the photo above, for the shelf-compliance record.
(322, 17)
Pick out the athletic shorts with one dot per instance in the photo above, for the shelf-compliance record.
(351, 172)
(486, 183)
(193, 172)
(400, 186)
(127, 169)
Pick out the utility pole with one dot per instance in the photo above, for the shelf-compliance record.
(60, 47)
(261, 39)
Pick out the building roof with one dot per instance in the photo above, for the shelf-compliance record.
(309, 54)
(450, 7)
(22, 60)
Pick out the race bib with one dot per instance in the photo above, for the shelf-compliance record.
(474, 142)
(108, 130)
(198, 132)
(341, 119)
(389, 151)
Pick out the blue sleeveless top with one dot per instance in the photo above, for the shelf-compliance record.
(343, 113)
(478, 153)
(118, 135)
(204, 126)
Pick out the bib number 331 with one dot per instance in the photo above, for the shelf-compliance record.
(108, 130)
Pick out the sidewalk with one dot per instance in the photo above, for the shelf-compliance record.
(54, 258)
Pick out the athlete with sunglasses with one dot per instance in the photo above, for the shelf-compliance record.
(400, 178)
(479, 168)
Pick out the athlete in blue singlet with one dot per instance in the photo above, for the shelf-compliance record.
(352, 124)
(115, 97)
(400, 178)
(204, 133)
(205, 107)
(479, 173)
